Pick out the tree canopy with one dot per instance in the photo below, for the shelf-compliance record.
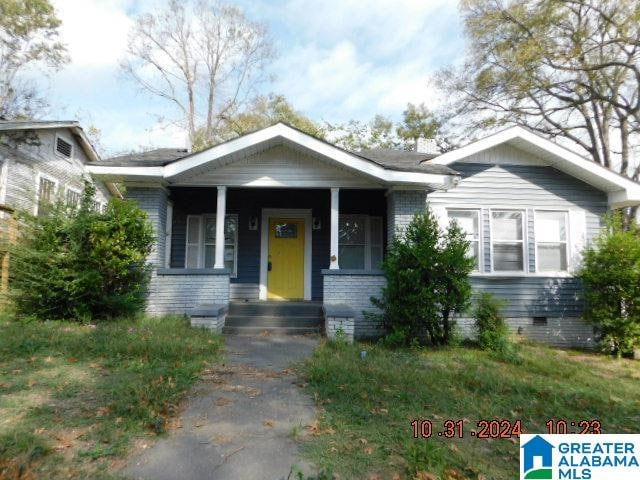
(202, 57)
(261, 112)
(569, 69)
(418, 122)
(29, 31)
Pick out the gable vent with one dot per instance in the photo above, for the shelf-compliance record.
(63, 147)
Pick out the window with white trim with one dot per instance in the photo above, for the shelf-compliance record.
(507, 241)
(469, 221)
(360, 242)
(551, 241)
(46, 194)
(200, 250)
(73, 198)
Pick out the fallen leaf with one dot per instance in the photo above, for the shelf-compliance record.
(363, 441)
(223, 401)
(102, 411)
(268, 423)
(421, 475)
(368, 450)
(453, 474)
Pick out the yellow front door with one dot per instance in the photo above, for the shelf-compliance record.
(285, 277)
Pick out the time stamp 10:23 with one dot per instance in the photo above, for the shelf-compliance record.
(499, 428)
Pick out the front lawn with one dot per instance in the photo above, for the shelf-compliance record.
(367, 406)
(74, 399)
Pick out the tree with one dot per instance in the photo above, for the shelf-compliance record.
(427, 271)
(261, 112)
(568, 69)
(29, 32)
(418, 122)
(355, 135)
(611, 278)
(202, 57)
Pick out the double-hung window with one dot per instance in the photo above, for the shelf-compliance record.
(469, 222)
(360, 242)
(73, 198)
(46, 194)
(200, 248)
(507, 240)
(551, 241)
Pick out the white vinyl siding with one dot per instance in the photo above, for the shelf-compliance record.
(360, 242)
(551, 241)
(508, 240)
(469, 221)
(201, 242)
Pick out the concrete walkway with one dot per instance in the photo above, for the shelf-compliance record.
(240, 422)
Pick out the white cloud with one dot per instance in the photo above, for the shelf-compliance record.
(95, 31)
(355, 60)
(339, 59)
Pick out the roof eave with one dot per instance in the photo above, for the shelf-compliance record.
(595, 174)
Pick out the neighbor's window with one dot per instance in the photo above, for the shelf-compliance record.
(73, 198)
(360, 242)
(46, 193)
(469, 221)
(551, 241)
(201, 242)
(507, 241)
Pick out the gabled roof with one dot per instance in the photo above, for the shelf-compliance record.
(422, 175)
(158, 157)
(621, 190)
(402, 160)
(73, 126)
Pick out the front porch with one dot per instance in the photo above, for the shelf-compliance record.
(275, 215)
(254, 252)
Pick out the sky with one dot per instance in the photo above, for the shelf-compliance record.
(336, 60)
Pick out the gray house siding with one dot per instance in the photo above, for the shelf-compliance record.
(24, 162)
(249, 202)
(521, 187)
(528, 187)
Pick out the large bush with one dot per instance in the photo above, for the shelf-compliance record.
(427, 272)
(611, 278)
(78, 263)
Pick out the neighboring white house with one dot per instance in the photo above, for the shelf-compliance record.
(40, 160)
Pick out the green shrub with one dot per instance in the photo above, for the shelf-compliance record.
(396, 338)
(79, 263)
(491, 329)
(427, 272)
(611, 279)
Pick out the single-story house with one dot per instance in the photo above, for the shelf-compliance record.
(280, 215)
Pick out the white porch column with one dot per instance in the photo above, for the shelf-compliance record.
(221, 209)
(335, 211)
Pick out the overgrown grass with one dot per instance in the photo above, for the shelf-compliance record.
(73, 397)
(367, 406)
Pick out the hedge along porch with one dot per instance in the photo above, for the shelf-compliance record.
(275, 214)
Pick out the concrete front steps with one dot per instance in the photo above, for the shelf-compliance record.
(278, 318)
